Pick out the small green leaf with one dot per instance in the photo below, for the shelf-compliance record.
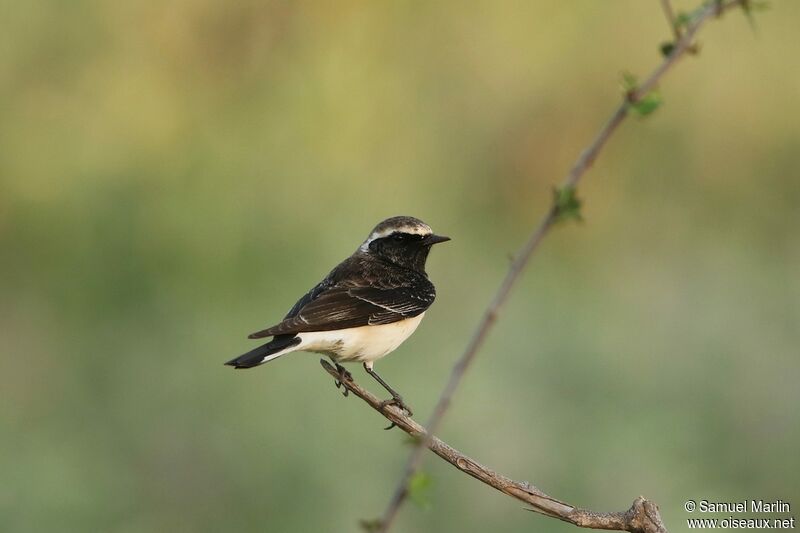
(647, 103)
(419, 489)
(667, 48)
(370, 525)
(643, 105)
(567, 204)
(629, 82)
(682, 19)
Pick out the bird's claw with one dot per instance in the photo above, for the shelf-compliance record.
(398, 402)
(344, 375)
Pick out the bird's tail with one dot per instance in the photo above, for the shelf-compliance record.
(266, 352)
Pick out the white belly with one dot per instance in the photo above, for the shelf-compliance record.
(362, 344)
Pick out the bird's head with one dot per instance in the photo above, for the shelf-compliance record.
(402, 240)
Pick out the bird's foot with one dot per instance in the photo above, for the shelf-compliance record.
(344, 375)
(396, 400)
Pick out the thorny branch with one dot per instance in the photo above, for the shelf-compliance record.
(642, 516)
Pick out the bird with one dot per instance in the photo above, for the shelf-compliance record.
(367, 306)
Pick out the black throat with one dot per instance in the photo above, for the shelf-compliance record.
(409, 254)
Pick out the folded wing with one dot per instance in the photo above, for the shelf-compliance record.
(352, 307)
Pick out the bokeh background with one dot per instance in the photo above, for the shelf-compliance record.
(173, 175)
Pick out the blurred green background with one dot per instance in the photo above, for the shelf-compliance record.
(173, 175)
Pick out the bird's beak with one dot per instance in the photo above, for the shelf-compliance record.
(436, 239)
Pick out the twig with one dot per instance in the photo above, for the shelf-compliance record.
(584, 161)
(666, 5)
(642, 517)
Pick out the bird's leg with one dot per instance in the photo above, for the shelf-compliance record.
(396, 398)
(344, 375)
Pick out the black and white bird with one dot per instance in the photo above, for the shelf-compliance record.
(365, 308)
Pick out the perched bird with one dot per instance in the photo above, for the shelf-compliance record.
(365, 308)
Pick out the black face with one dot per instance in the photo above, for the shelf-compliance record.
(405, 249)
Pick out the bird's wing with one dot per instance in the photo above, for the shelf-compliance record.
(309, 297)
(351, 307)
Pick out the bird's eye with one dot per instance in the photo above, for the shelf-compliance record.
(398, 237)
